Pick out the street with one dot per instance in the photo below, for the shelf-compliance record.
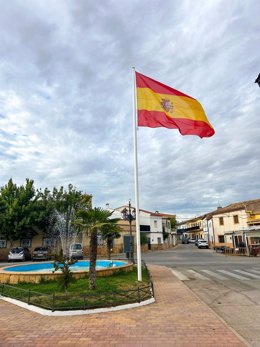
(230, 285)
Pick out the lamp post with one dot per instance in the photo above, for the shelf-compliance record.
(129, 215)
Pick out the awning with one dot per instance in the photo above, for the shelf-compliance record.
(248, 232)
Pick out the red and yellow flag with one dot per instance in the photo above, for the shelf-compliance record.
(161, 106)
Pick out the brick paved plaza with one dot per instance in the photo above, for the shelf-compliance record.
(177, 318)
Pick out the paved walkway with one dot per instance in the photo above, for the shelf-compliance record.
(178, 318)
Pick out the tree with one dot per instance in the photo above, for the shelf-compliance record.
(173, 223)
(109, 232)
(143, 239)
(24, 210)
(92, 220)
(63, 264)
(45, 207)
(19, 213)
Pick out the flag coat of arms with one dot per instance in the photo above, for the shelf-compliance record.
(161, 106)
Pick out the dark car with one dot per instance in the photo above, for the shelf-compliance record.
(19, 253)
(41, 253)
(185, 240)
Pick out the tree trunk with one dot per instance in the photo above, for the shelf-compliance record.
(109, 246)
(93, 258)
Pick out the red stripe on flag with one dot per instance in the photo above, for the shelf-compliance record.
(143, 81)
(155, 119)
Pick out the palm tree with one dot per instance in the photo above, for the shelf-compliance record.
(92, 220)
(109, 232)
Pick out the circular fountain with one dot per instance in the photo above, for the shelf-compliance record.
(37, 272)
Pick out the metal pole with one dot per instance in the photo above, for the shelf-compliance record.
(138, 243)
(246, 243)
(130, 230)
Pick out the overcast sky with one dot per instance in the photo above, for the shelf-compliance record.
(66, 99)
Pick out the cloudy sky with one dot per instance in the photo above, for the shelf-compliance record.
(66, 99)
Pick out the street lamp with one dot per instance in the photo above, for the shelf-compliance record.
(129, 215)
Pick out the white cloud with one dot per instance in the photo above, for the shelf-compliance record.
(66, 99)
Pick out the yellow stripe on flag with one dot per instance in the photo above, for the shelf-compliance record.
(183, 107)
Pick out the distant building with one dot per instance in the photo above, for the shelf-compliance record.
(193, 228)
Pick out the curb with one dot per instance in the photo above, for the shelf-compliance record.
(45, 312)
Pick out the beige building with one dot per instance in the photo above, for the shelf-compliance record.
(236, 226)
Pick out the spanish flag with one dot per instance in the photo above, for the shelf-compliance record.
(161, 106)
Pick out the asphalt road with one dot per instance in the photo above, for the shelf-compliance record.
(189, 254)
(230, 285)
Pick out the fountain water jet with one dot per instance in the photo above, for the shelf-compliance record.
(64, 227)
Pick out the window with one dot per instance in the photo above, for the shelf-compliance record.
(221, 239)
(100, 241)
(2, 243)
(49, 242)
(236, 220)
(145, 227)
(26, 243)
(221, 221)
(155, 223)
(159, 240)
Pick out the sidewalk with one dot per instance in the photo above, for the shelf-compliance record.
(177, 318)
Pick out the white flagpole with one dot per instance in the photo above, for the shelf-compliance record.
(138, 241)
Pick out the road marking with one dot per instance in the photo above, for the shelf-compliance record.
(234, 275)
(180, 275)
(215, 275)
(193, 274)
(198, 275)
(248, 274)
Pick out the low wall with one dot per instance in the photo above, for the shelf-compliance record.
(161, 247)
(29, 277)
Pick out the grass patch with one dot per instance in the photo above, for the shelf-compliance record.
(120, 288)
(118, 281)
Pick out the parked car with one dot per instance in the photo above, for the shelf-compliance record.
(76, 251)
(41, 253)
(202, 244)
(192, 240)
(185, 240)
(19, 253)
(197, 240)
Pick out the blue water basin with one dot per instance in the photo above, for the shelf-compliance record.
(79, 266)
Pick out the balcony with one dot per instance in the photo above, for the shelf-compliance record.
(194, 228)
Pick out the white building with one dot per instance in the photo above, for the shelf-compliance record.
(154, 225)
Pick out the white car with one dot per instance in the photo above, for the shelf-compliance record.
(202, 244)
(76, 251)
(19, 253)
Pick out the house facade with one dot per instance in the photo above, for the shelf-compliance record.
(193, 228)
(154, 225)
(235, 226)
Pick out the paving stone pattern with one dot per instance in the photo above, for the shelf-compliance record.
(178, 318)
